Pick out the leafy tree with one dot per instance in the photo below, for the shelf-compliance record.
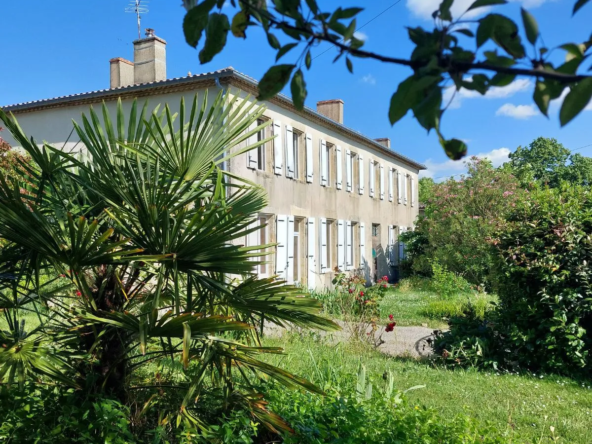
(549, 162)
(426, 189)
(133, 257)
(462, 215)
(442, 56)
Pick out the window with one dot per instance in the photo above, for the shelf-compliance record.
(412, 191)
(297, 136)
(375, 230)
(259, 237)
(405, 192)
(375, 179)
(360, 174)
(349, 171)
(292, 152)
(326, 244)
(399, 187)
(338, 167)
(350, 234)
(391, 184)
(256, 158)
(261, 149)
(381, 181)
(324, 149)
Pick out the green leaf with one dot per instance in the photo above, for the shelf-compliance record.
(408, 95)
(482, 3)
(298, 88)
(274, 80)
(503, 32)
(195, 22)
(575, 101)
(216, 34)
(579, 4)
(501, 79)
(530, 25)
(349, 64)
(308, 60)
(349, 32)
(312, 5)
(465, 31)
(284, 50)
(240, 22)
(273, 41)
(544, 92)
(348, 13)
(445, 10)
(497, 60)
(573, 51)
(427, 112)
(454, 148)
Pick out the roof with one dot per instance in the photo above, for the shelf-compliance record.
(224, 76)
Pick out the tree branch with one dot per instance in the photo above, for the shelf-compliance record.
(459, 66)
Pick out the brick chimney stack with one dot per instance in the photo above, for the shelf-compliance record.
(149, 58)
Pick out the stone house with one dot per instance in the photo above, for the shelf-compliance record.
(337, 199)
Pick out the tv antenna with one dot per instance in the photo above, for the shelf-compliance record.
(138, 7)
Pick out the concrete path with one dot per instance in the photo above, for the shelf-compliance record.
(403, 341)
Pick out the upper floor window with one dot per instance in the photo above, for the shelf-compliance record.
(350, 171)
(261, 149)
(256, 158)
(325, 163)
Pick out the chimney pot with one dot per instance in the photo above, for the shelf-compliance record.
(333, 109)
(384, 141)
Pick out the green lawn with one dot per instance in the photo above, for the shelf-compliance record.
(530, 405)
(412, 306)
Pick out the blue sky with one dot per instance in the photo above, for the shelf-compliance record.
(58, 48)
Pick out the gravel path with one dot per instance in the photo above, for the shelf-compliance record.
(403, 341)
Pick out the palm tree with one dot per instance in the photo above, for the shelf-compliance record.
(131, 255)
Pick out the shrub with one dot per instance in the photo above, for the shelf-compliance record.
(51, 415)
(544, 318)
(446, 283)
(545, 280)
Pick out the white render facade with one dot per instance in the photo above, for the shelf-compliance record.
(337, 200)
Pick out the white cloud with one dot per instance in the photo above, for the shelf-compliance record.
(495, 92)
(361, 36)
(442, 170)
(517, 111)
(424, 8)
(369, 79)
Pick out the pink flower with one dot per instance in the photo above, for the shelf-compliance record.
(78, 294)
(391, 317)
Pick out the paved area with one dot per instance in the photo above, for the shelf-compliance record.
(403, 341)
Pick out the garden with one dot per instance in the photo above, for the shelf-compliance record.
(130, 312)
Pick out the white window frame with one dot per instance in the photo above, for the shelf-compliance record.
(381, 182)
(372, 178)
(309, 158)
(290, 160)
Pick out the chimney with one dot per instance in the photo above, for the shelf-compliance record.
(122, 72)
(149, 58)
(384, 141)
(333, 109)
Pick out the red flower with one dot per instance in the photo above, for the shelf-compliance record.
(350, 291)
(366, 301)
(385, 278)
(391, 317)
(78, 294)
(384, 286)
(390, 326)
(62, 275)
(361, 293)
